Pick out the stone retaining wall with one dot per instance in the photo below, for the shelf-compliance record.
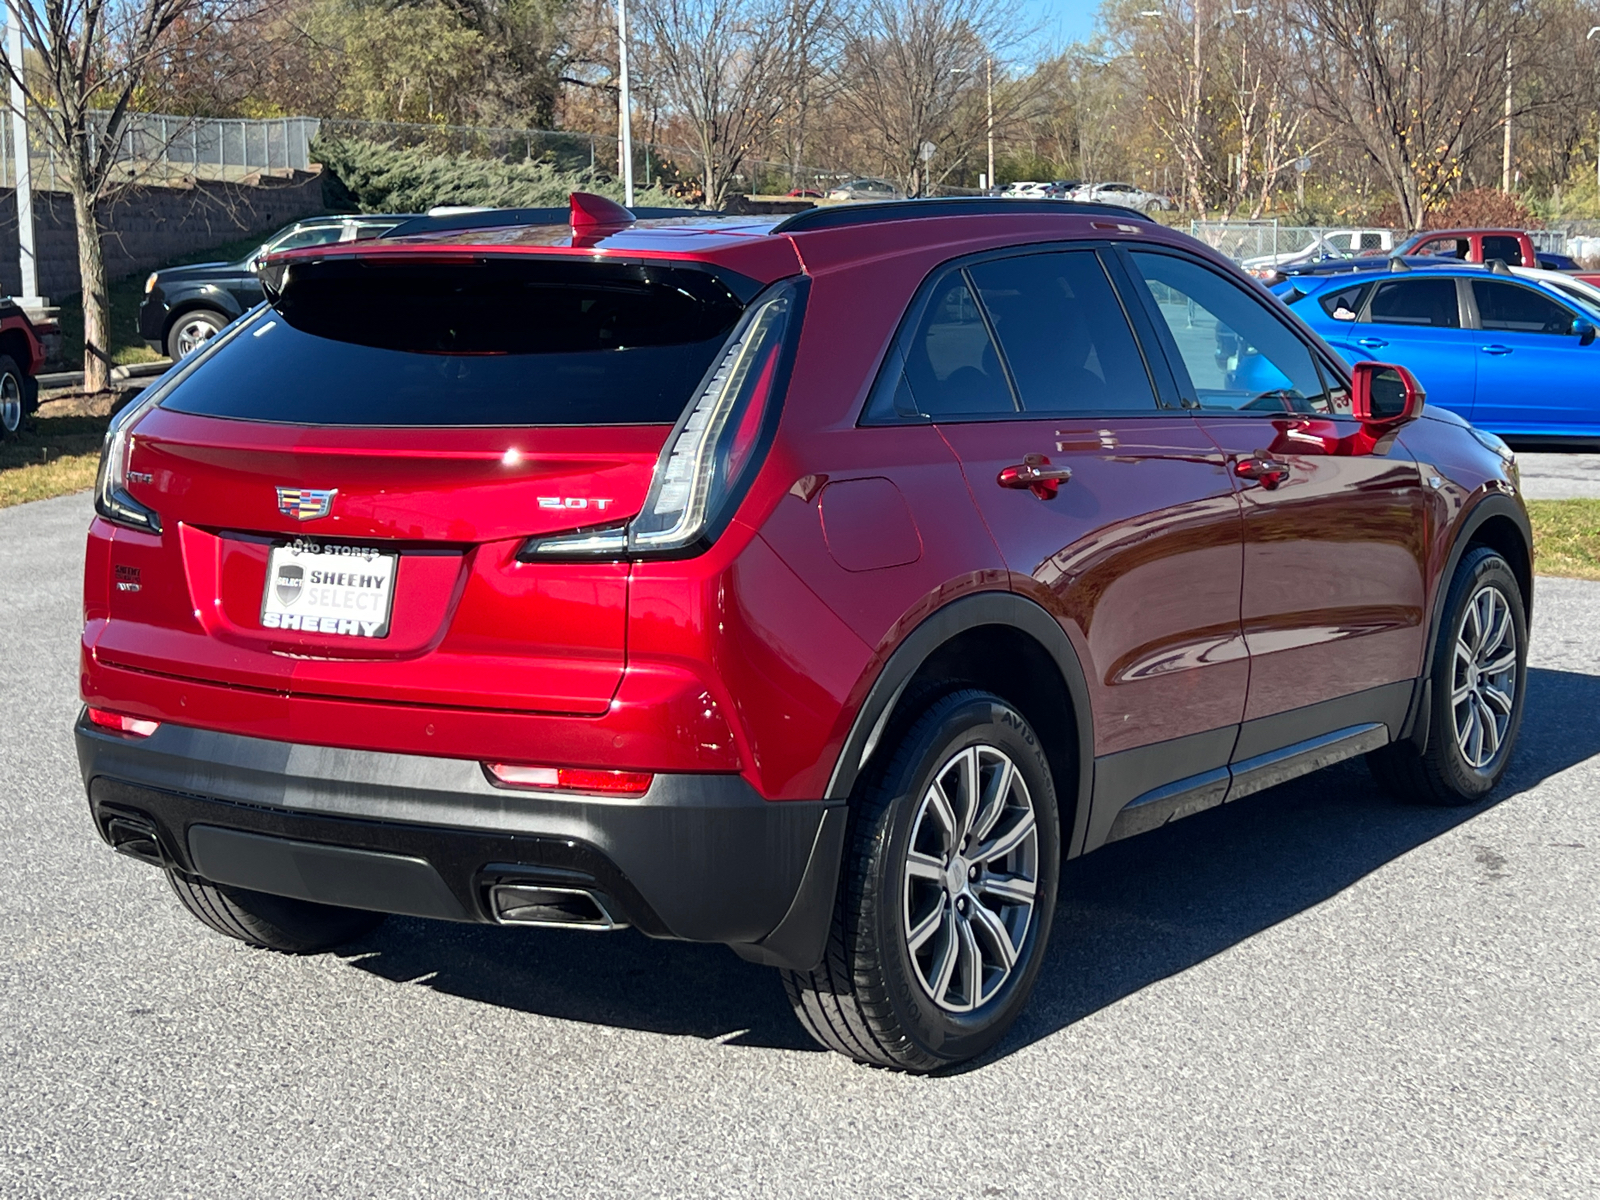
(146, 227)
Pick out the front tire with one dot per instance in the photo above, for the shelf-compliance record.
(193, 330)
(271, 922)
(947, 894)
(1478, 681)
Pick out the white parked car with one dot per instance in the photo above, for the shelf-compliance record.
(1332, 243)
(1126, 194)
(1581, 291)
(1025, 189)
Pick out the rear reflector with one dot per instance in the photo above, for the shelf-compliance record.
(569, 779)
(122, 723)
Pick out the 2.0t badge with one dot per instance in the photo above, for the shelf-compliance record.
(305, 504)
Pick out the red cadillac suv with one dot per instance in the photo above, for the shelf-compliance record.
(813, 587)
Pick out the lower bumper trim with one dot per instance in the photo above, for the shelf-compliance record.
(335, 875)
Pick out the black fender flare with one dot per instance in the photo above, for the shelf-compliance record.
(1493, 504)
(972, 612)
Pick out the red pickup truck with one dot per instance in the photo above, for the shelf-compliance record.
(22, 356)
(1510, 246)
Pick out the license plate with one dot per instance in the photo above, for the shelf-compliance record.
(346, 591)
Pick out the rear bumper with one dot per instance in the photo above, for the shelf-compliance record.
(698, 857)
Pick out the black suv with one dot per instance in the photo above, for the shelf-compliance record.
(184, 307)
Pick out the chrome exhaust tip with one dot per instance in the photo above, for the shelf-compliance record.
(552, 907)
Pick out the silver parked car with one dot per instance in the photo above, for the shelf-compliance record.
(866, 188)
(1126, 194)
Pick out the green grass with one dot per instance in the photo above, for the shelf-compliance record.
(126, 344)
(50, 456)
(1566, 537)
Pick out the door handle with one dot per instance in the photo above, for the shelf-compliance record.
(1035, 474)
(1372, 343)
(1497, 349)
(1268, 472)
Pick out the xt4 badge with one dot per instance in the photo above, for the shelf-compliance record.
(305, 504)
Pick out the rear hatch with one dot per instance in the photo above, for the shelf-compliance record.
(344, 482)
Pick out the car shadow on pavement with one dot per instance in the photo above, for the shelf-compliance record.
(1131, 914)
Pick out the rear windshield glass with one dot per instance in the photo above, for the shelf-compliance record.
(359, 342)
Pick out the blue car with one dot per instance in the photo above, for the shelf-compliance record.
(1511, 355)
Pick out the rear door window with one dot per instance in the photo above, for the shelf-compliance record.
(1428, 302)
(1507, 308)
(1507, 249)
(364, 342)
(1064, 333)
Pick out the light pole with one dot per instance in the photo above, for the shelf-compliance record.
(624, 111)
(1589, 37)
(1505, 149)
(988, 87)
(27, 260)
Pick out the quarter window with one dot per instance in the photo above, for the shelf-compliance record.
(1344, 304)
(1429, 302)
(1507, 308)
(1064, 334)
(951, 364)
(1238, 355)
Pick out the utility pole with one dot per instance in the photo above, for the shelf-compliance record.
(27, 260)
(624, 113)
(1505, 151)
(988, 77)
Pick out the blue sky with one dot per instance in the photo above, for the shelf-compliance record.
(1063, 20)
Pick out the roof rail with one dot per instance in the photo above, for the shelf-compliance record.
(872, 212)
(502, 218)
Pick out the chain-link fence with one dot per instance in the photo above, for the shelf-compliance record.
(163, 148)
(1269, 241)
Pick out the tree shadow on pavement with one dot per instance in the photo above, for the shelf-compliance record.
(1130, 914)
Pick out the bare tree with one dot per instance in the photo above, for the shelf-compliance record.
(1417, 86)
(915, 73)
(91, 57)
(730, 69)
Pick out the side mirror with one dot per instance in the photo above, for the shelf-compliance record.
(1583, 330)
(1385, 395)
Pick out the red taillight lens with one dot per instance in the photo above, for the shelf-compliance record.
(569, 779)
(122, 723)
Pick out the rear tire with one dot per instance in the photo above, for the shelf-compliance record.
(1478, 680)
(271, 922)
(944, 909)
(14, 397)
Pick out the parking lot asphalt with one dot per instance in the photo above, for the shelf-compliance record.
(1311, 992)
(1574, 475)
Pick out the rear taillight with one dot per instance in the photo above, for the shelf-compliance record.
(714, 450)
(111, 498)
(104, 718)
(569, 779)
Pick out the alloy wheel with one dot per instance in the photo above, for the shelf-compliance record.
(971, 877)
(10, 403)
(1484, 687)
(192, 335)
